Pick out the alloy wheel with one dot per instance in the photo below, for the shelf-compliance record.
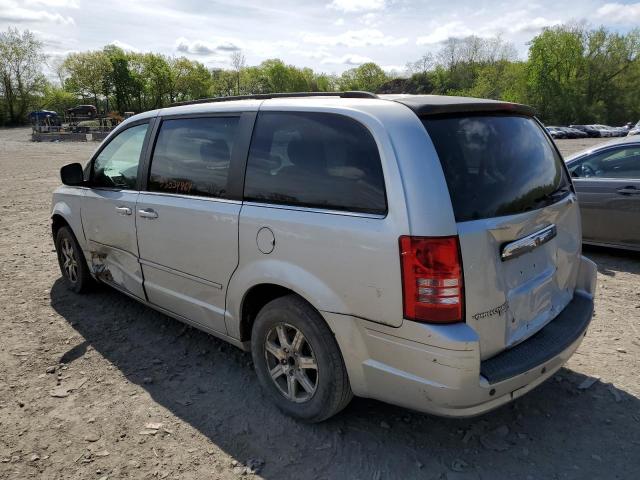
(68, 260)
(291, 362)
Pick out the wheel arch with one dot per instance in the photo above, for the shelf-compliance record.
(254, 300)
(62, 215)
(257, 283)
(57, 222)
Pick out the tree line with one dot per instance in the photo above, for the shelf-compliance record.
(572, 74)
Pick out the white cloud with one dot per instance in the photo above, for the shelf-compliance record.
(279, 48)
(339, 22)
(356, 38)
(350, 59)
(533, 25)
(312, 54)
(517, 22)
(439, 34)
(513, 23)
(13, 12)
(357, 5)
(124, 46)
(394, 69)
(199, 47)
(370, 19)
(625, 14)
(54, 3)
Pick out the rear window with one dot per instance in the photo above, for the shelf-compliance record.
(497, 165)
(314, 159)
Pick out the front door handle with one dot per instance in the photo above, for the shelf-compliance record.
(148, 213)
(628, 191)
(123, 210)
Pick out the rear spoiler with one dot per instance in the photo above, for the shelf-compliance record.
(427, 105)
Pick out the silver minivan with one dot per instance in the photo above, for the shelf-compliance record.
(420, 250)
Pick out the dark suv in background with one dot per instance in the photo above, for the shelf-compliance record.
(83, 111)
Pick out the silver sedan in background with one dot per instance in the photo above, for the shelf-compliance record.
(607, 181)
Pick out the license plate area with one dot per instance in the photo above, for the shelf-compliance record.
(534, 295)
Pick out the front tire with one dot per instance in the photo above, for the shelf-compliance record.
(72, 262)
(297, 360)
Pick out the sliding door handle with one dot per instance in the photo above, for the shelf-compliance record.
(628, 191)
(148, 213)
(123, 210)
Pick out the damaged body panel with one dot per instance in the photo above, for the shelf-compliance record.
(112, 246)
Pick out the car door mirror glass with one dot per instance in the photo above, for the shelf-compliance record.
(72, 175)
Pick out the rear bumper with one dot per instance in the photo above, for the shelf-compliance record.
(546, 344)
(437, 368)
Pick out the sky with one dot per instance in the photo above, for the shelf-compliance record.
(326, 35)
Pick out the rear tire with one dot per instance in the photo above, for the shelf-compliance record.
(72, 262)
(297, 360)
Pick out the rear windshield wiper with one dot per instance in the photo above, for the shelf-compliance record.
(556, 195)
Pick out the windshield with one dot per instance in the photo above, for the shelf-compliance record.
(497, 165)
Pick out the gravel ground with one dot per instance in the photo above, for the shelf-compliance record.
(100, 387)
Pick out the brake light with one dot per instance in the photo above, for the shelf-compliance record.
(432, 283)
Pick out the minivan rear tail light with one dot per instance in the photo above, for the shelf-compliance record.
(432, 283)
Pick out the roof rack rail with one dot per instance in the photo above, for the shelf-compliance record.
(267, 96)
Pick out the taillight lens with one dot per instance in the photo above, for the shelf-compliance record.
(432, 283)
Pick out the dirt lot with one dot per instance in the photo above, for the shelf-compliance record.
(100, 387)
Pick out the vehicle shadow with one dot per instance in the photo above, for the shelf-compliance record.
(556, 431)
(611, 260)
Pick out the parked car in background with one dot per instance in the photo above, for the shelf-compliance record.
(590, 130)
(614, 131)
(556, 132)
(83, 111)
(635, 130)
(417, 249)
(620, 131)
(605, 132)
(44, 117)
(573, 132)
(607, 182)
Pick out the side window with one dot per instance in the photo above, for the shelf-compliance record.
(619, 163)
(117, 164)
(192, 156)
(319, 160)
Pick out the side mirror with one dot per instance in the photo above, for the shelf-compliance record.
(72, 175)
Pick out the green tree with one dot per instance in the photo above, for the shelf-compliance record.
(554, 76)
(188, 80)
(86, 73)
(120, 81)
(156, 74)
(367, 77)
(580, 75)
(610, 64)
(57, 98)
(277, 74)
(223, 82)
(238, 63)
(21, 78)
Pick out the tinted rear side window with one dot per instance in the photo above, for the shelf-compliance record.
(192, 156)
(497, 165)
(316, 160)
